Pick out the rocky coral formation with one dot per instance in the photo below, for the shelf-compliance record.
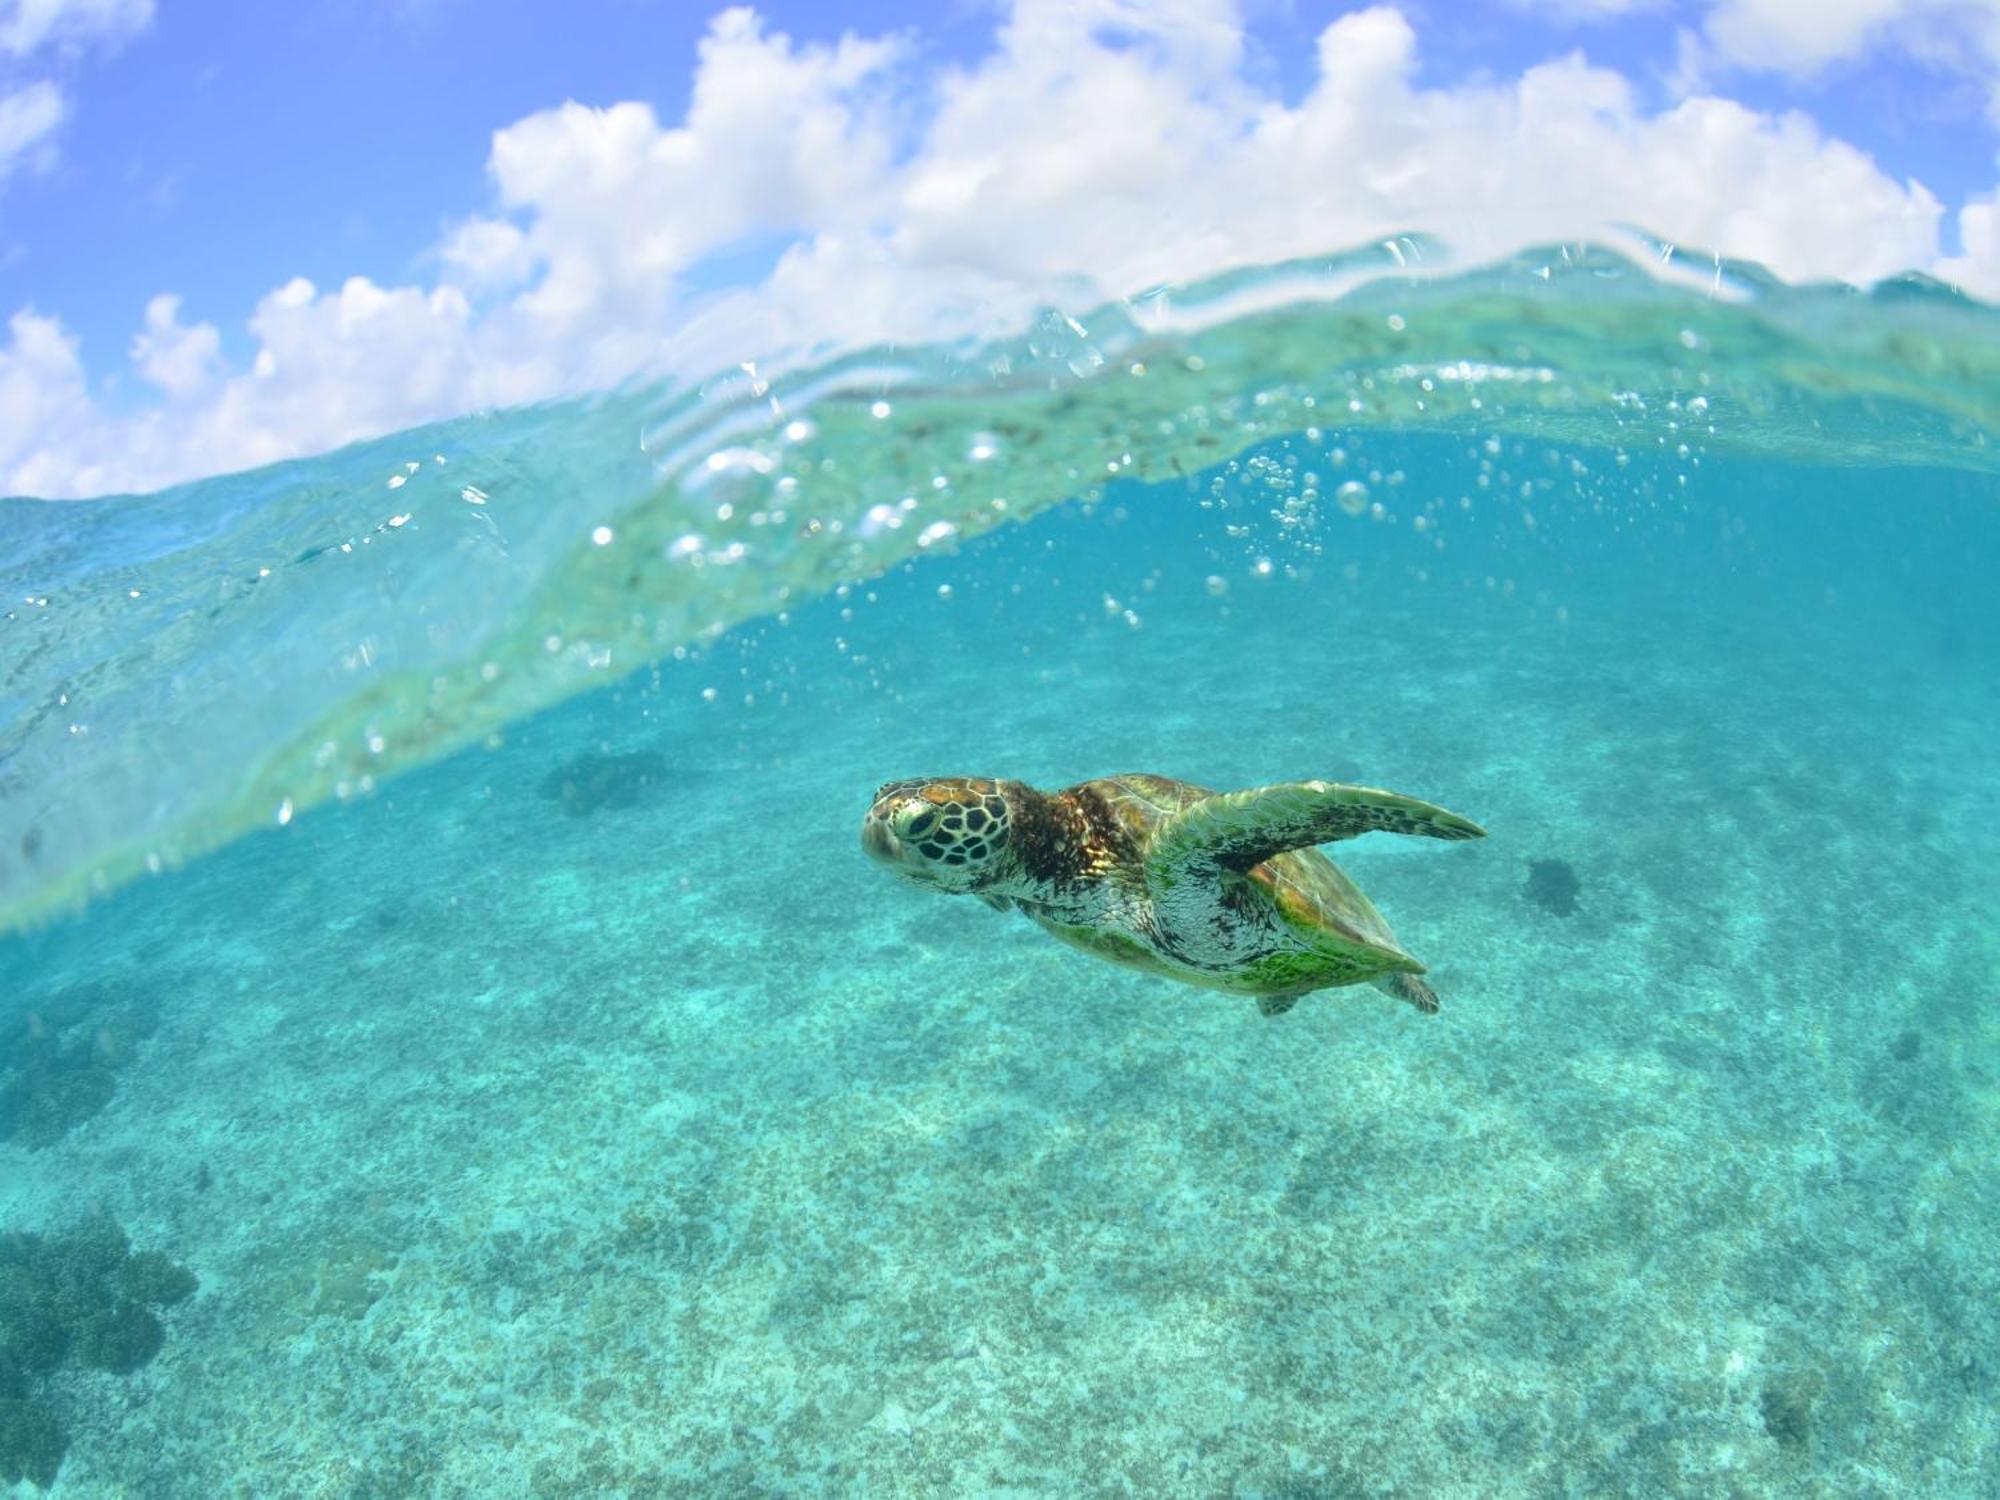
(59, 1059)
(80, 1298)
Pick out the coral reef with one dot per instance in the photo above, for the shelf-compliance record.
(150, 1277)
(32, 1443)
(1786, 1404)
(1553, 886)
(82, 1297)
(593, 783)
(62, 1057)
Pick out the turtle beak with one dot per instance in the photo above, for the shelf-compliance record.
(878, 843)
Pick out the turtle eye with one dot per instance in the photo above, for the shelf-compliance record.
(920, 825)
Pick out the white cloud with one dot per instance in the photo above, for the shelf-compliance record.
(488, 253)
(28, 25)
(1102, 146)
(1978, 263)
(28, 117)
(615, 207)
(1803, 35)
(46, 417)
(180, 359)
(1807, 36)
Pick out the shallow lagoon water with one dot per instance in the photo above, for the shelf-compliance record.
(577, 1113)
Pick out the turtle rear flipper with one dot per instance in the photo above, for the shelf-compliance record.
(1405, 987)
(1236, 831)
(1410, 989)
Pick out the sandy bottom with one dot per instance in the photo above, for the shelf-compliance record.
(643, 1140)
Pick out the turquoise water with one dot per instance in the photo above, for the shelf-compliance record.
(550, 1099)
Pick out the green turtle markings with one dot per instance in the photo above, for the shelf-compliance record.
(1224, 890)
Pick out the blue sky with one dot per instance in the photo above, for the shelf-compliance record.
(216, 150)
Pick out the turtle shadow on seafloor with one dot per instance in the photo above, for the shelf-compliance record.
(593, 782)
(1553, 886)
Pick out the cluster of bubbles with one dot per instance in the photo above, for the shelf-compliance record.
(1287, 506)
(1284, 503)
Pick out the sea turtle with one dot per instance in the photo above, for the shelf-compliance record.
(1218, 889)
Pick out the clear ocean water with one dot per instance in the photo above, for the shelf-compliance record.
(436, 921)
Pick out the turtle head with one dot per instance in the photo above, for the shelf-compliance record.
(949, 832)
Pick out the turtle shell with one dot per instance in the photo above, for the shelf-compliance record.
(1312, 893)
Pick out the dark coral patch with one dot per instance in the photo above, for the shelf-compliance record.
(1786, 1407)
(153, 1279)
(73, 1297)
(120, 1338)
(59, 1056)
(32, 1443)
(598, 783)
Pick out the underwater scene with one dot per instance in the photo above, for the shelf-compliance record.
(455, 1040)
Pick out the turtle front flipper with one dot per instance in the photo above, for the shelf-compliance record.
(1237, 831)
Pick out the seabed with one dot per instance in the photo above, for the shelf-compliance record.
(644, 1140)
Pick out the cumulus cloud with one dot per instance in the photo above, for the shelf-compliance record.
(488, 253)
(1978, 263)
(46, 417)
(180, 359)
(1100, 147)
